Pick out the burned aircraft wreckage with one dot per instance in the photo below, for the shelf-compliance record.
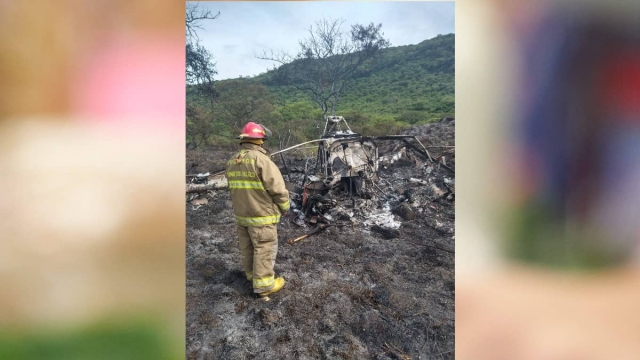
(345, 171)
(343, 156)
(346, 163)
(346, 157)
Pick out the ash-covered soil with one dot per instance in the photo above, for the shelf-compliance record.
(351, 293)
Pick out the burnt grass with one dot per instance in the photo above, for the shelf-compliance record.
(350, 294)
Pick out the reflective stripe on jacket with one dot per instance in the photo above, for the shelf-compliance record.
(257, 188)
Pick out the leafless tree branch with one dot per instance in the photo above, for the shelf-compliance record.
(193, 19)
(328, 59)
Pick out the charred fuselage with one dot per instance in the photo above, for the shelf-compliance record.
(346, 156)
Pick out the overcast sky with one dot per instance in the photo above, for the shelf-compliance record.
(244, 29)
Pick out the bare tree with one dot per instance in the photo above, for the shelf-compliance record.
(328, 60)
(200, 68)
(193, 18)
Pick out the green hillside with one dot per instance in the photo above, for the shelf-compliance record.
(406, 78)
(407, 85)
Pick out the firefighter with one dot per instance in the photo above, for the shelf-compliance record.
(259, 198)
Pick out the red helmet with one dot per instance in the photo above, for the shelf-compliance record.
(254, 131)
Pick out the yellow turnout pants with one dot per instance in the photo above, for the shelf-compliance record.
(259, 247)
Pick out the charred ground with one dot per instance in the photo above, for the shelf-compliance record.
(351, 292)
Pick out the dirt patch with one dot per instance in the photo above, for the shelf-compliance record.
(351, 292)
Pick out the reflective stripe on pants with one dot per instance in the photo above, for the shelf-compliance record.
(257, 220)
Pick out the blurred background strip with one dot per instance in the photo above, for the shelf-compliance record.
(92, 217)
(548, 234)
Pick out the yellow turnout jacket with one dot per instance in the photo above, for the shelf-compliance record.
(257, 187)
